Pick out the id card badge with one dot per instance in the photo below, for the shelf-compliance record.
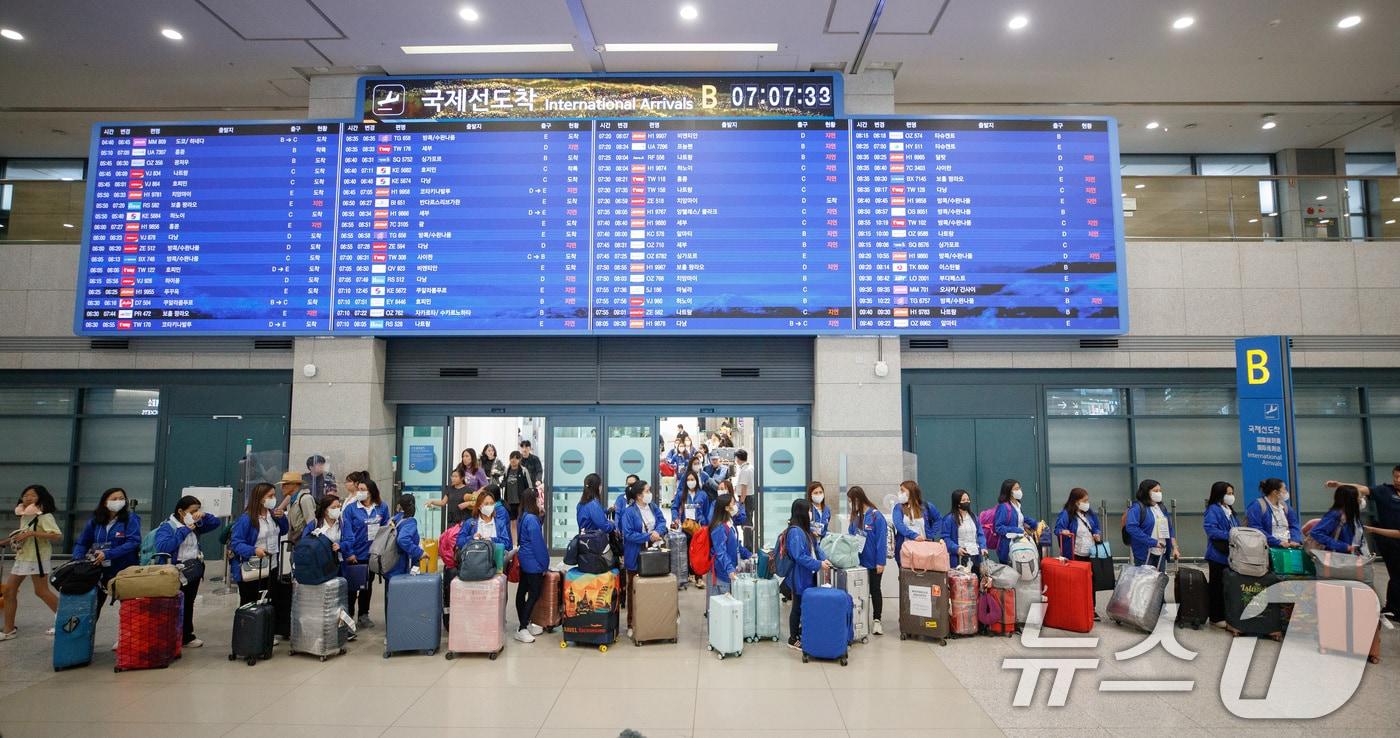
(691, 512)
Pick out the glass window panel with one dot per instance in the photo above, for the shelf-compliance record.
(1326, 401)
(94, 479)
(1184, 401)
(1190, 531)
(1190, 485)
(1183, 441)
(1160, 165)
(1268, 203)
(1329, 440)
(54, 477)
(1383, 400)
(1313, 498)
(1371, 165)
(36, 401)
(117, 401)
(118, 440)
(50, 169)
(1111, 484)
(1097, 401)
(1088, 441)
(36, 439)
(1235, 165)
(1385, 443)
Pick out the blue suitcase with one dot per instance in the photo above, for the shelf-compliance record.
(827, 625)
(73, 628)
(413, 614)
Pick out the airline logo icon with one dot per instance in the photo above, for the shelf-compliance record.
(374, 324)
(900, 289)
(126, 303)
(900, 256)
(639, 212)
(381, 192)
(896, 135)
(901, 323)
(636, 323)
(384, 149)
(635, 268)
(899, 212)
(123, 325)
(385, 138)
(635, 301)
(382, 171)
(381, 181)
(378, 268)
(124, 313)
(382, 202)
(128, 270)
(639, 168)
(639, 135)
(138, 163)
(901, 301)
(899, 266)
(377, 279)
(139, 142)
(376, 312)
(636, 289)
(897, 190)
(379, 257)
(896, 146)
(898, 223)
(897, 157)
(636, 312)
(901, 312)
(379, 246)
(376, 291)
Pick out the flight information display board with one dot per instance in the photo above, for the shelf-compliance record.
(605, 227)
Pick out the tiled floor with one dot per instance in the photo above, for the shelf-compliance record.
(890, 688)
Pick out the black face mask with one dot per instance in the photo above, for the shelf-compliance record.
(964, 505)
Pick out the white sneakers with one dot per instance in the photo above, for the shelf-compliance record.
(524, 636)
(876, 629)
(196, 643)
(7, 636)
(534, 629)
(48, 632)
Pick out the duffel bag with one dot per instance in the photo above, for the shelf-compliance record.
(133, 582)
(76, 577)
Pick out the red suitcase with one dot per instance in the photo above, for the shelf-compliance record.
(962, 608)
(150, 632)
(549, 611)
(1006, 599)
(1348, 623)
(1069, 594)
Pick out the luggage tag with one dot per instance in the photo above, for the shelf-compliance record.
(347, 620)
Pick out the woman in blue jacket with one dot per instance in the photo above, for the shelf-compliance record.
(1220, 518)
(961, 533)
(914, 519)
(1077, 528)
(726, 550)
(641, 524)
(177, 540)
(491, 521)
(868, 521)
(112, 536)
(806, 558)
(1274, 517)
(365, 514)
(534, 562)
(591, 515)
(1340, 529)
(691, 502)
(1009, 520)
(1151, 530)
(407, 539)
(255, 540)
(821, 512)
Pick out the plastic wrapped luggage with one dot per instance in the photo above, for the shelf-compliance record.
(252, 632)
(657, 603)
(413, 614)
(150, 632)
(1069, 594)
(678, 543)
(317, 626)
(1138, 598)
(74, 627)
(1192, 597)
(726, 626)
(548, 613)
(1348, 622)
(653, 562)
(1239, 591)
(1000, 619)
(590, 608)
(923, 605)
(826, 623)
(962, 602)
(854, 580)
(478, 617)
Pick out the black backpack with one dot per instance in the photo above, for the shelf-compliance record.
(76, 577)
(590, 551)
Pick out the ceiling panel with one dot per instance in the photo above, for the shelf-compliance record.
(272, 19)
(851, 16)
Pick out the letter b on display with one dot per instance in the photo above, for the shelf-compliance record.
(1257, 366)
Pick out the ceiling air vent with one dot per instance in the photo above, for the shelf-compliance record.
(925, 344)
(109, 344)
(739, 372)
(1098, 343)
(458, 372)
(272, 344)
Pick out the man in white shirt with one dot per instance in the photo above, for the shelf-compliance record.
(743, 482)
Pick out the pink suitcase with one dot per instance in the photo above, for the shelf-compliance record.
(962, 607)
(478, 622)
(1346, 623)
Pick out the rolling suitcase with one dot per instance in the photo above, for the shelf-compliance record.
(478, 617)
(1347, 624)
(252, 632)
(768, 610)
(1192, 597)
(547, 613)
(1005, 600)
(826, 623)
(590, 608)
(1138, 597)
(862, 618)
(653, 562)
(1069, 594)
(855, 581)
(1239, 590)
(726, 626)
(1028, 592)
(413, 614)
(150, 632)
(74, 627)
(657, 603)
(678, 543)
(317, 628)
(745, 590)
(962, 602)
(923, 605)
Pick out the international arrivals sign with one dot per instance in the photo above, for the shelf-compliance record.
(466, 97)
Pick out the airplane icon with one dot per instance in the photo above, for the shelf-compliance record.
(388, 100)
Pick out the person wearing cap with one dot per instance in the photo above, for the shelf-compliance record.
(712, 475)
(298, 504)
(316, 478)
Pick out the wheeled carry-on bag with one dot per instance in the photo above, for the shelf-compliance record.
(855, 580)
(1137, 599)
(1347, 624)
(657, 615)
(478, 617)
(150, 632)
(726, 626)
(923, 605)
(826, 623)
(862, 619)
(590, 608)
(252, 632)
(317, 627)
(678, 543)
(1239, 591)
(413, 614)
(548, 612)
(745, 590)
(763, 615)
(962, 603)
(74, 627)
(1005, 623)
(1069, 594)
(1192, 598)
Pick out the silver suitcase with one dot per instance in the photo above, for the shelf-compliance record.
(856, 581)
(317, 627)
(1138, 598)
(862, 619)
(679, 543)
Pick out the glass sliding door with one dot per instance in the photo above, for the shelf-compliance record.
(782, 473)
(573, 454)
(631, 449)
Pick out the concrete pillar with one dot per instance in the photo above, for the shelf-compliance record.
(332, 96)
(859, 414)
(870, 93)
(1301, 213)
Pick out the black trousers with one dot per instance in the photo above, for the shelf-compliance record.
(877, 600)
(191, 590)
(1389, 550)
(361, 597)
(279, 593)
(527, 594)
(795, 619)
(1215, 591)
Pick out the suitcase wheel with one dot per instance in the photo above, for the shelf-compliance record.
(252, 660)
(804, 658)
(232, 657)
(903, 636)
(710, 647)
(449, 656)
(866, 639)
(386, 654)
(941, 642)
(341, 652)
(323, 658)
(843, 660)
(721, 655)
(493, 655)
(674, 640)
(602, 648)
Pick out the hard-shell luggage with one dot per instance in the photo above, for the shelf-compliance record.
(862, 618)
(1027, 593)
(1292, 562)
(478, 617)
(590, 608)
(745, 589)
(855, 580)
(1249, 551)
(1005, 611)
(1239, 590)
(1347, 622)
(157, 580)
(413, 614)
(1138, 598)
(678, 543)
(653, 562)
(826, 623)
(317, 627)
(548, 612)
(73, 629)
(923, 605)
(1069, 594)
(962, 602)
(429, 563)
(252, 632)
(150, 632)
(657, 609)
(1192, 597)
(924, 555)
(726, 626)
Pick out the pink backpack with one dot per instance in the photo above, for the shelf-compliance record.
(987, 518)
(447, 546)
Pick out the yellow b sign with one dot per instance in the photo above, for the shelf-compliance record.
(1256, 366)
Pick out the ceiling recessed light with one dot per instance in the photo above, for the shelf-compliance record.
(1390, 222)
(1018, 22)
(1349, 21)
(1273, 215)
(172, 34)
(1395, 199)
(1321, 197)
(1139, 186)
(1185, 21)
(469, 14)
(689, 12)
(691, 47)
(490, 49)
(1253, 220)
(11, 34)
(1269, 125)
(67, 225)
(1152, 125)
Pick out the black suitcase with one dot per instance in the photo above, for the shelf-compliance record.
(654, 562)
(1192, 599)
(252, 632)
(1239, 591)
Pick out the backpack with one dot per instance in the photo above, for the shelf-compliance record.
(988, 520)
(1025, 558)
(298, 516)
(447, 546)
(1127, 537)
(313, 560)
(701, 558)
(148, 546)
(1249, 551)
(76, 577)
(476, 561)
(590, 551)
(384, 550)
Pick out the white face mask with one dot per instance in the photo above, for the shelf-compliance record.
(1229, 500)
(903, 497)
(1083, 507)
(333, 513)
(1157, 496)
(115, 505)
(269, 502)
(1361, 504)
(646, 498)
(488, 510)
(690, 483)
(1016, 493)
(733, 511)
(189, 520)
(362, 495)
(818, 497)
(1284, 497)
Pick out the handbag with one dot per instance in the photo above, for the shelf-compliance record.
(1337, 565)
(513, 567)
(1102, 566)
(254, 569)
